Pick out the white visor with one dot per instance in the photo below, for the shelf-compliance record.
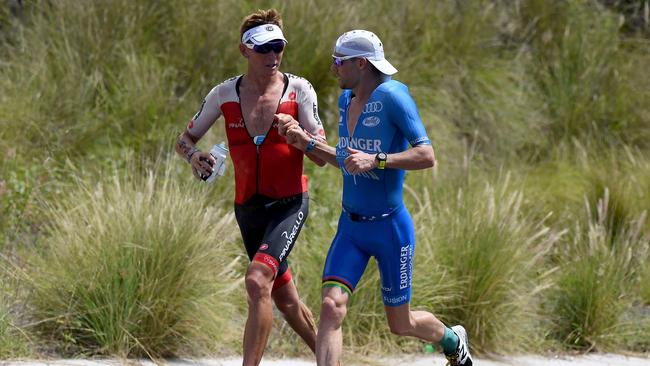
(262, 34)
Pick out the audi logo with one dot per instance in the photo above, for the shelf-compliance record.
(373, 107)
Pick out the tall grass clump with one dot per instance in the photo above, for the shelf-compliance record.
(583, 71)
(624, 179)
(133, 266)
(23, 185)
(598, 282)
(85, 78)
(644, 286)
(6, 348)
(482, 239)
(14, 341)
(11, 342)
(16, 187)
(586, 170)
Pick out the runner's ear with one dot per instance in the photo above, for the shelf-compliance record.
(242, 50)
(363, 63)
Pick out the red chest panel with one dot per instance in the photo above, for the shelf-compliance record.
(274, 169)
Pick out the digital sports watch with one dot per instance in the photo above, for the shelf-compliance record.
(381, 160)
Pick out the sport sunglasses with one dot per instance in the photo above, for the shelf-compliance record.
(338, 60)
(275, 46)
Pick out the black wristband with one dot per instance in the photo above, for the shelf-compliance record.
(189, 156)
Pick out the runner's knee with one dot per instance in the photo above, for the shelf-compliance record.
(334, 308)
(258, 284)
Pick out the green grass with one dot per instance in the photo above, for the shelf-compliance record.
(552, 92)
(133, 266)
(644, 286)
(12, 342)
(482, 240)
(15, 342)
(598, 281)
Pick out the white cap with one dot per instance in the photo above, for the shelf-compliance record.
(263, 34)
(363, 43)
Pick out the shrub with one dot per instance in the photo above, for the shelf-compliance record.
(135, 265)
(495, 252)
(597, 282)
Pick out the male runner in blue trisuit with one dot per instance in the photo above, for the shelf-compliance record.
(378, 120)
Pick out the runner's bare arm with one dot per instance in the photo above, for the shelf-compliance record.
(415, 158)
(201, 161)
(317, 160)
(286, 123)
(418, 157)
(186, 145)
(308, 116)
(208, 113)
(300, 139)
(322, 151)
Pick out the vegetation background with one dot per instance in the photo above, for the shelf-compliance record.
(532, 230)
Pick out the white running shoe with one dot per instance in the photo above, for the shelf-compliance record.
(461, 357)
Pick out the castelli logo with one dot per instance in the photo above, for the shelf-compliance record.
(292, 95)
(190, 125)
(264, 247)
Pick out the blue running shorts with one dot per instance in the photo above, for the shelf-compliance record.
(391, 240)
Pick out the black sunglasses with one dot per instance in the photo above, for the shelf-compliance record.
(275, 46)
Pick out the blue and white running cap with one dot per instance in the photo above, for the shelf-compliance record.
(363, 43)
(262, 34)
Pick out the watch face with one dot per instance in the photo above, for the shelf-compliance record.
(381, 160)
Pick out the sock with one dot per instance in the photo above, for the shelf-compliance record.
(449, 341)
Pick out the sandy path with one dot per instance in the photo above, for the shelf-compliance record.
(589, 360)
